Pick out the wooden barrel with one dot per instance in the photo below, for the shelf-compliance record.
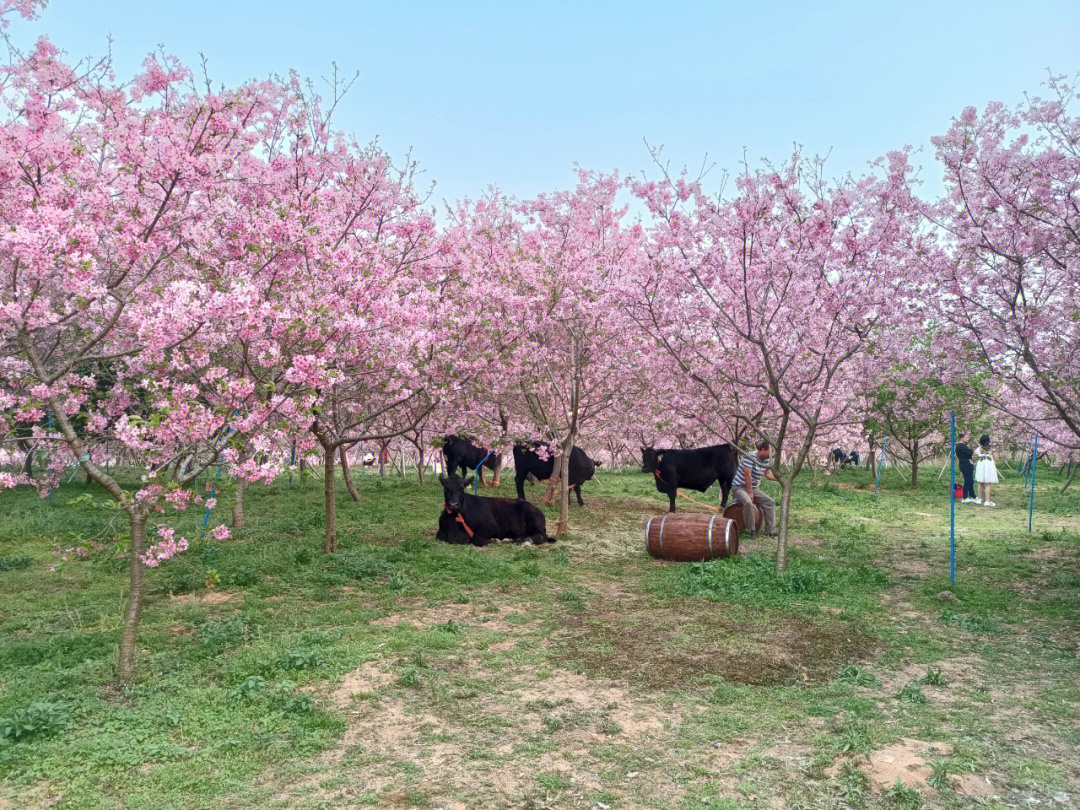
(735, 512)
(691, 537)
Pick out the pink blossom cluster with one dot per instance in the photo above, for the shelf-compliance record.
(166, 548)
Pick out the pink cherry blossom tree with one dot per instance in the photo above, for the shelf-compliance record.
(116, 307)
(340, 334)
(1011, 283)
(550, 272)
(767, 302)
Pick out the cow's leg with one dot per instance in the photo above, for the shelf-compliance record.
(519, 482)
(724, 490)
(671, 497)
(577, 491)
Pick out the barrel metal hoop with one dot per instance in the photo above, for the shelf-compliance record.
(727, 536)
(663, 520)
(648, 526)
(710, 535)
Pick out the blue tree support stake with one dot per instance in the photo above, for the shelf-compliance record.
(50, 431)
(952, 497)
(1034, 462)
(476, 472)
(213, 495)
(881, 465)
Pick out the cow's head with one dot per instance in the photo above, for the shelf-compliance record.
(590, 468)
(649, 459)
(453, 487)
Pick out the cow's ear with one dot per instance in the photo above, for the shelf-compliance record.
(469, 480)
(442, 479)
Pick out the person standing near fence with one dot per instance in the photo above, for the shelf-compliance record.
(986, 473)
(964, 455)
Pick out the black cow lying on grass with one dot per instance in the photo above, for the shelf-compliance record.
(527, 462)
(691, 469)
(481, 520)
(461, 452)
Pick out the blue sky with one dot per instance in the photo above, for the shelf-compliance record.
(515, 93)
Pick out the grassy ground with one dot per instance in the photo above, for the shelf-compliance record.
(402, 672)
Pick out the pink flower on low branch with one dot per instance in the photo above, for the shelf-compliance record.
(165, 549)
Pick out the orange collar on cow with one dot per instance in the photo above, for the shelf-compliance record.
(459, 519)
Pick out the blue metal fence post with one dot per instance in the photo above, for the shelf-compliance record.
(881, 464)
(1034, 462)
(952, 497)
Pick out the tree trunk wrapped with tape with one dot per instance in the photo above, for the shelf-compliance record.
(690, 537)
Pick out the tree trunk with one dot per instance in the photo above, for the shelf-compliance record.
(553, 483)
(28, 463)
(915, 466)
(238, 504)
(349, 485)
(419, 445)
(563, 526)
(497, 472)
(330, 543)
(129, 637)
(782, 534)
(1072, 474)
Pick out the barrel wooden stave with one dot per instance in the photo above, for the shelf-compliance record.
(734, 512)
(691, 537)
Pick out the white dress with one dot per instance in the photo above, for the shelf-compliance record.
(986, 470)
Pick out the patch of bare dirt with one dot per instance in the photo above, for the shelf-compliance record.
(909, 762)
(369, 678)
(663, 646)
(429, 617)
(470, 612)
(208, 598)
(613, 703)
(458, 751)
(893, 682)
(1051, 553)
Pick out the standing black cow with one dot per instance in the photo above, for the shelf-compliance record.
(691, 469)
(461, 452)
(838, 458)
(528, 462)
(481, 520)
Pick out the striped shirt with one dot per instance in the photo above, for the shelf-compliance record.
(756, 466)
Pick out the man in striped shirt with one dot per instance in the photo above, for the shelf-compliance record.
(752, 467)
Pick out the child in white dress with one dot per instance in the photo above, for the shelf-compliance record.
(986, 473)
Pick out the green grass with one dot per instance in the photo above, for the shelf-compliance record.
(405, 672)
